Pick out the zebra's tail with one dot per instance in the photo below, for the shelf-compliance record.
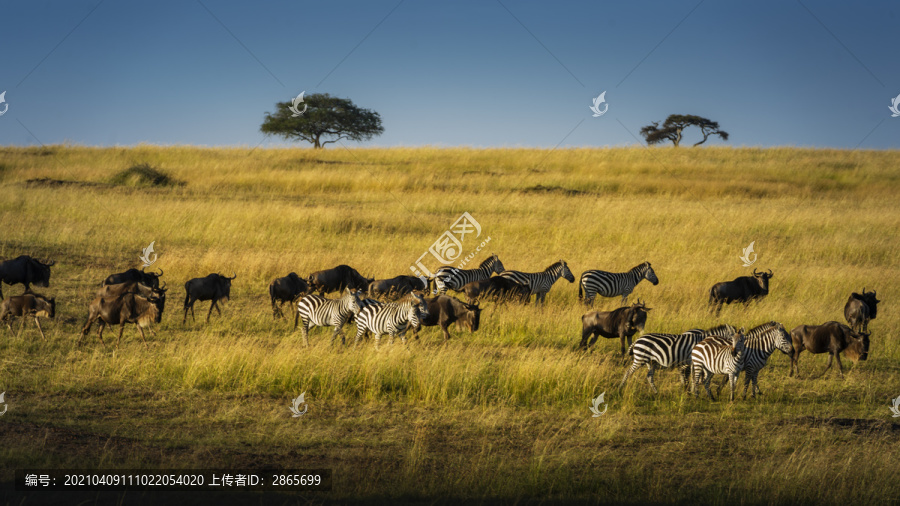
(631, 348)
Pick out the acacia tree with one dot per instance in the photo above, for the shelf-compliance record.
(672, 129)
(326, 119)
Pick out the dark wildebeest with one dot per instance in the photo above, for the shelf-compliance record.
(444, 310)
(286, 289)
(743, 289)
(832, 338)
(214, 287)
(25, 270)
(29, 304)
(394, 288)
(497, 288)
(150, 279)
(861, 308)
(623, 323)
(127, 308)
(337, 279)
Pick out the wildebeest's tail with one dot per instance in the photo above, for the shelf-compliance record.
(580, 286)
(187, 296)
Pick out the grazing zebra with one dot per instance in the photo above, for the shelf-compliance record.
(614, 284)
(667, 351)
(540, 282)
(317, 311)
(761, 341)
(392, 318)
(715, 356)
(455, 279)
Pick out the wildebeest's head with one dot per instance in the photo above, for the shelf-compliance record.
(565, 272)
(42, 270)
(763, 278)
(226, 285)
(471, 320)
(857, 345)
(637, 316)
(45, 307)
(650, 275)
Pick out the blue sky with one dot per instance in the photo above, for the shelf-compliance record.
(488, 73)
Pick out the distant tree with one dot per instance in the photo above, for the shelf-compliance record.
(674, 125)
(326, 119)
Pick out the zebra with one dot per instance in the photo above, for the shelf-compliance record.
(715, 356)
(761, 341)
(667, 351)
(392, 318)
(455, 279)
(317, 311)
(540, 282)
(613, 284)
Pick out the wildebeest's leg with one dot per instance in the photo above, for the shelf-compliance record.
(211, 306)
(837, 357)
(830, 361)
(445, 327)
(143, 339)
(38, 323)
(121, 330)
(795, 362)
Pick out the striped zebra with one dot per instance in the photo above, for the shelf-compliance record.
(614, 284)
(317, 311)
(668, 351)
(540, 282)
(455, 279)
(392, 318)
(716, 356)
(761, 341)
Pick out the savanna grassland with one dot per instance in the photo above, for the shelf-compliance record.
(501, 413)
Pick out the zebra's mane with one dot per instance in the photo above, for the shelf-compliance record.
(640, 267)
(554, 265)
(487, 261)
(724, 330)
(761, 330)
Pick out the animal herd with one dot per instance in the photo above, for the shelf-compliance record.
(394, 305)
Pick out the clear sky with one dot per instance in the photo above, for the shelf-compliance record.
(471, 73)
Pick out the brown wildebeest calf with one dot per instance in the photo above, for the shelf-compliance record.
(128, 308)
(623, 323)
(29, 304)
(832, 338)
(444, 310)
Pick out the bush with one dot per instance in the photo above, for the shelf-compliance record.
(143, 175)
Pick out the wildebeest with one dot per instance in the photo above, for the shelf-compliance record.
(214, 287)
(742, 289)
(127, 308)
(150, 279)
(397, 287)
(497, 288)
(337, 279)
(29, 304)
(861, 308)
(832, 338)
(444, 310)
(623, 323)
(25, 270)
(286, 289)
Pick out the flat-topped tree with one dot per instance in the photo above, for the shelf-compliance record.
(326, 119)
(672, 128)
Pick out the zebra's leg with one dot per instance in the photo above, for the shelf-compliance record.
(707, 379)
(748, 378)
(650, 371)
(360, 332)
(695, 378)
(304, 331)
(377, 338)
(338, 330)
(629, 372)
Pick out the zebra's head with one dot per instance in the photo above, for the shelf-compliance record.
(351, 300)
(649, 275)
(783, 339)
(737, 342)
(564, 271)
(418, 308)
(496, 264)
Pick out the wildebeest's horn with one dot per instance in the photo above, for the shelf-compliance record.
(51, 262)
(160, 272)
(162, 288)
(235, 275)
(770, 272)
(754, 271)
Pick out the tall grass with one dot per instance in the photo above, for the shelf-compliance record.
(501, 412)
